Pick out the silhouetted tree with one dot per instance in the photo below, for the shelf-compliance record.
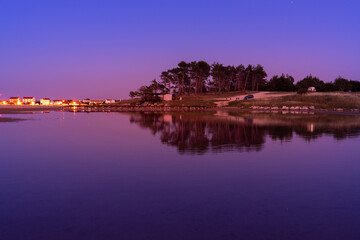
(329, 87)
(166, 80)
(239, 77)
(258, 78)
(218, 74)
(355, 86)
(149, 93)
(342, 84)
(310, 81)
(184, 76)
(282, 83)
(199, 73)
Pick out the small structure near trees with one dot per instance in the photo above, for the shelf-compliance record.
(108, 101)
(167, 97)
(94, 101)
(311, 89)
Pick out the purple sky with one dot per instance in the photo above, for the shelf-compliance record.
(99, 49)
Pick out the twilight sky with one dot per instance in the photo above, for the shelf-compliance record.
(98, 49)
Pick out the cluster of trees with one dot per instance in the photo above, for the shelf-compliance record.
(199, 77)
(286, 83)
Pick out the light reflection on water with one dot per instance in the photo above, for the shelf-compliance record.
(71, 175)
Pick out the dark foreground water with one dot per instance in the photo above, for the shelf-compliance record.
(179, 176)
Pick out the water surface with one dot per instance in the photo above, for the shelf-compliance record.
(212, 175)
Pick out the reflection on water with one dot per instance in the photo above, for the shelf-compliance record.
(228, 131)
(8, 119)
(74, 175)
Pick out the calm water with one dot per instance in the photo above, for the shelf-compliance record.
(66, 175)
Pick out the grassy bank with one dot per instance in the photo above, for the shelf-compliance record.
(329, 101)
(319, 100)
(203, 100)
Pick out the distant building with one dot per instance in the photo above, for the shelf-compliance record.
(74, 103)
(45, 101)
(15, 100)
(66, 102)
(59, 102)
(107, 101)
(29, 100)
(167, 97)
(96, 101)
(311, 89)
(4, 102)
(86, 101)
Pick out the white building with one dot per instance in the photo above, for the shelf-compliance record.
(96, 101)
(107, 101)
(15, 100)
(311, 89)
(45, 101)
(29, 100)
(59, 102)
(167, 97)
(75, 103)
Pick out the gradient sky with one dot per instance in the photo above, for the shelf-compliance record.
(98, 49)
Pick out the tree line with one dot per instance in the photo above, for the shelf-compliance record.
(286, 83)
(199, 77)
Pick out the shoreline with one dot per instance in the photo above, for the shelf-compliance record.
(11, 109)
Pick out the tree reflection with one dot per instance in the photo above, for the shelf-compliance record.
(198, 133)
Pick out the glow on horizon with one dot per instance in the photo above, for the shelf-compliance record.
(99, 50)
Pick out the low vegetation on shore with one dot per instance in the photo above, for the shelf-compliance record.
(328, 101)
(203, 100)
